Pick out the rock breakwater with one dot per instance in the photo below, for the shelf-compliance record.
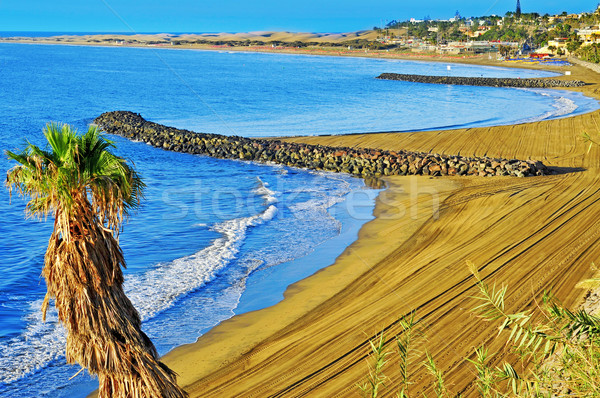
(484, 81)
(361, 162)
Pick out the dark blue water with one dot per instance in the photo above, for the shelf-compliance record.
(214, 237)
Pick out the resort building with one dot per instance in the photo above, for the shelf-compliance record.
(558, 43)
(479, 32)
(589, 35)
(471, 47)
(421, 47)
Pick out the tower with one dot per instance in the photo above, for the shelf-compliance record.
(518, 11)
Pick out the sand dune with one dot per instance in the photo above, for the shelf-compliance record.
(288, 37)
(532, 234)
(265, 36)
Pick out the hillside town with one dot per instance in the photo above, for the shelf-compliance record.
(516, 34)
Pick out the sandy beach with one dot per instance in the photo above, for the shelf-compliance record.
(214, 42)
(534, 234)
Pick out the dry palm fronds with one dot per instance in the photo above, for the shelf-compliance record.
(90, 191)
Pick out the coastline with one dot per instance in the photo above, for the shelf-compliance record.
(245, 354)
(478, 60)
(225, 341)
(429, 194)
(323, 319)
(481, 60)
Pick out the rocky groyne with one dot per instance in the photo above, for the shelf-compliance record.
(484, 81)
(357, 161)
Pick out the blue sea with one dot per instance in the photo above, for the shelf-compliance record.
(214, 238)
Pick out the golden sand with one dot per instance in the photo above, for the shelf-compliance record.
(286, 43)
(265, 36)
(532, 234)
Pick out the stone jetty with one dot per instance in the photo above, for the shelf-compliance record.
(362, 162)
(484, 81)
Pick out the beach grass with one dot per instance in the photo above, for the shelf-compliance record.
(559, 347)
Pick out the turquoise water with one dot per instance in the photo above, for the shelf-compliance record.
(214, 237)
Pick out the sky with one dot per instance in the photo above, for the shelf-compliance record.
(176, 16)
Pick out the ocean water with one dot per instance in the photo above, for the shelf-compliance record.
(214, 238)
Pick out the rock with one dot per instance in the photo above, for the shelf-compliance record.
(361, 162)
(435, 167)
(483, 81)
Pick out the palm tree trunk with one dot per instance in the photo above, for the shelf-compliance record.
(83, 273)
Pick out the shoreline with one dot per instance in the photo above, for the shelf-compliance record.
(391, 236)
(483, 60)
(305, 295)
(480, 60)
(241, 355)
(240, 350)
(327, 316)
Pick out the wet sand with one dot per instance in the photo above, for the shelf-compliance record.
(532, 234)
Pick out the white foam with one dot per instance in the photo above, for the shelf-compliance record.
(562, 107)
(158, 288)
(311, 216)
(268, 195)
(270, 213)
(151, 292)
(565, 106)
(163, 284)
(41, 343)
(319, 205)
(278, 167)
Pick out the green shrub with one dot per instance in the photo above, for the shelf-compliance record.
(563, 351)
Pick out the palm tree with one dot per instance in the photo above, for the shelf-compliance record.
(90, 193)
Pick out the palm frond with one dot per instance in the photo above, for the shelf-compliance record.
(90, 190)
(76, 163)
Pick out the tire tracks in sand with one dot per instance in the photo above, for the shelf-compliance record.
(533, 235)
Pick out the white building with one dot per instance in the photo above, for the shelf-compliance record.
(589, 36)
